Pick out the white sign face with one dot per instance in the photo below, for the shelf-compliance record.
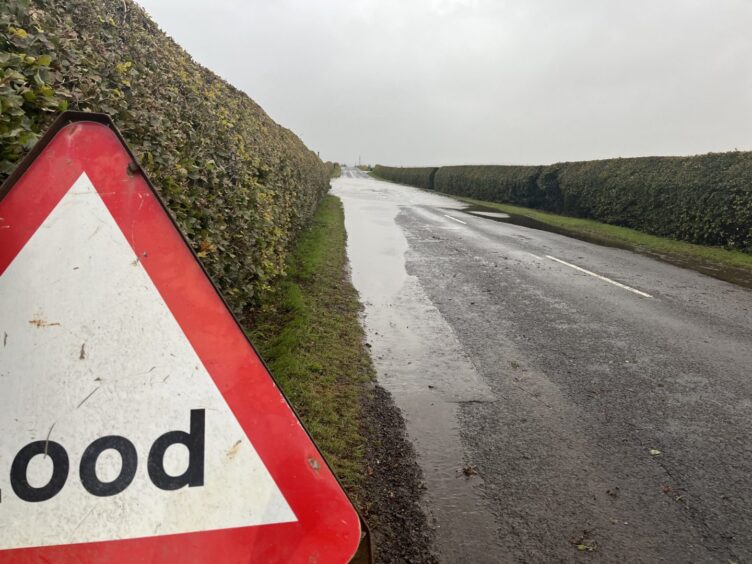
(95, 370)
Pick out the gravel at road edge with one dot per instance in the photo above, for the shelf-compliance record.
(393, 485)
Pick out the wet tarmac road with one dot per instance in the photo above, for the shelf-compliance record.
(567, 401)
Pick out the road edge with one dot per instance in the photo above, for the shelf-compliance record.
(309, 331)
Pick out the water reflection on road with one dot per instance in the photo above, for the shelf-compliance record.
(420, 361)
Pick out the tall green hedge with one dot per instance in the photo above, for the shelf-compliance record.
(705, 199)
(240, 185)
(510, 183)
(420, 177)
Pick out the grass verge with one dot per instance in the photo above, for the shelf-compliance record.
(726, 264)
(308, 333)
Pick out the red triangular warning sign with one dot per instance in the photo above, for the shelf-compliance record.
(138, 423)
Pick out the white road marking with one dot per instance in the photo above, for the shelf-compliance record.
(534, 256)
(455, 219)
(614, 282)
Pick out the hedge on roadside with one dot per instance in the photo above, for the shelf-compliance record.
(494, 183)
(240, 185)
(420, 177)
(334, 169)
(705, 199)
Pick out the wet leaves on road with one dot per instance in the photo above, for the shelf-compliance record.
(584, 543)
(469, 470)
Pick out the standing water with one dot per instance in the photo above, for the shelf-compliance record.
(419, 360)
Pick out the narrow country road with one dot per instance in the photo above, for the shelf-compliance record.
(567, 401)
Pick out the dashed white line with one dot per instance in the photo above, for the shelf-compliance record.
(455, 219)
(599, 277)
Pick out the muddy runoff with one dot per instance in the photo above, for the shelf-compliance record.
(421, 363)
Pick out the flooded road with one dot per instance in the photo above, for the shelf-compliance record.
(420, 361)
(563, 397)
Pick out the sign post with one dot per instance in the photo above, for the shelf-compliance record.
(138, 422)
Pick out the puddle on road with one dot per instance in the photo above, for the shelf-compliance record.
(737, 276)
(420, 361)
(491, 214)
(524, 221)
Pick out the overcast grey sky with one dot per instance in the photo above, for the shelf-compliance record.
(423, 82)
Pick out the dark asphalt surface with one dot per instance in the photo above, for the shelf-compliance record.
(605, 419)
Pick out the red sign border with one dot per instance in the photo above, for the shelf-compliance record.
(214, 545)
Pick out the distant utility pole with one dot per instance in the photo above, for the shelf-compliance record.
(359, 160)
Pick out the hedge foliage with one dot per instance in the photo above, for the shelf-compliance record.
(420, 177)
(334, 169)
(240, 185)
(512, 183)
(705, 199)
